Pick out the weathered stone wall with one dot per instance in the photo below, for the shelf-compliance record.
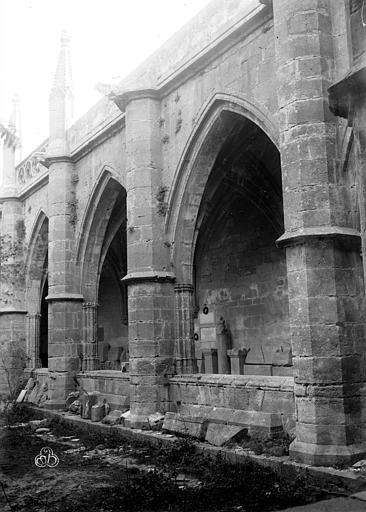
(245, 70)
(114, 386)
(242, 277)
(219, 396)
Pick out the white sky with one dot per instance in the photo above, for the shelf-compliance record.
(109, 39)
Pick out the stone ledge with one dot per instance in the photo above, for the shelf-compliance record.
(104, 374)
(248, 381)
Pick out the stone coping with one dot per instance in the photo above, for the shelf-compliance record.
(251, 381)
(104, 374)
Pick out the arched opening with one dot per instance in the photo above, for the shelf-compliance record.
(103, 257)
(240, 274)
(112, 317)
(225, 230)
(36, 293)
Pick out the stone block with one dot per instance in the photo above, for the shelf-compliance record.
(97, 412)
(113, 418)
(125, 418)
(33, 394)
(257, 369)
(21, 396)
(156, 420)
(192, 427)
(218, 434)
(87, 402)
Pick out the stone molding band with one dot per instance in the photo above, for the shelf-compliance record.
(64, 297)
(156, 276)
(12, 311)
(180, 288)
(299, 236)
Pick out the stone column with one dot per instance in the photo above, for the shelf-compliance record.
(323, 262)
(64, 303)
(185, 359)
(12, 279)
(150, 284)
(33, 333)
(90, 342)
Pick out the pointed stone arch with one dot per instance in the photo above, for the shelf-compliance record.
(194, 168)
(229, 176)
(93, 231)
(36, 270)
(102, 225)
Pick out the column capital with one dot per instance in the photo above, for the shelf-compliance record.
(180, 288)
(91, 305)
(123, 98)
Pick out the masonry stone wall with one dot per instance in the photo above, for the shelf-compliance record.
(244, 70)
(241, 276)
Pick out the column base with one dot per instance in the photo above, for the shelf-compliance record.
(326, 455)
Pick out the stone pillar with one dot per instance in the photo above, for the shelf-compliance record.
(323, 262)
(90, 342)
(150, 284)
(185, 359)
(64, 303)
(12, 279)
(237, 360)
(222, 341)
(33, 333)
(210, 359)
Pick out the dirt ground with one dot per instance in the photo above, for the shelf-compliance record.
(99, 474)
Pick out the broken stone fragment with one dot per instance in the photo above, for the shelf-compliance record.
(33, 394)
(156, 420)
(97, 412)
(113, 418)
(192, 427)
(42, 430)
(74, 395)
(35, 424)
(125, 418)
(87, 401)
(218, 434)
(21, 396)
(75, 407)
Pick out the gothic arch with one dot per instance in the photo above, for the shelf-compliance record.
(194, 168)
(36, 271)
(95, 230)
(36, 261)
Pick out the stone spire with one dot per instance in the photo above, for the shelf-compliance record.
(11, 144)
(61, 101)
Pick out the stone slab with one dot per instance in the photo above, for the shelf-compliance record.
(193, 427)
(360, 496)
(218, 434)
(113, 418)
(333, 505)
(97, 412)
(21, 396)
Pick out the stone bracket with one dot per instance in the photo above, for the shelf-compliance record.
(343, 94)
